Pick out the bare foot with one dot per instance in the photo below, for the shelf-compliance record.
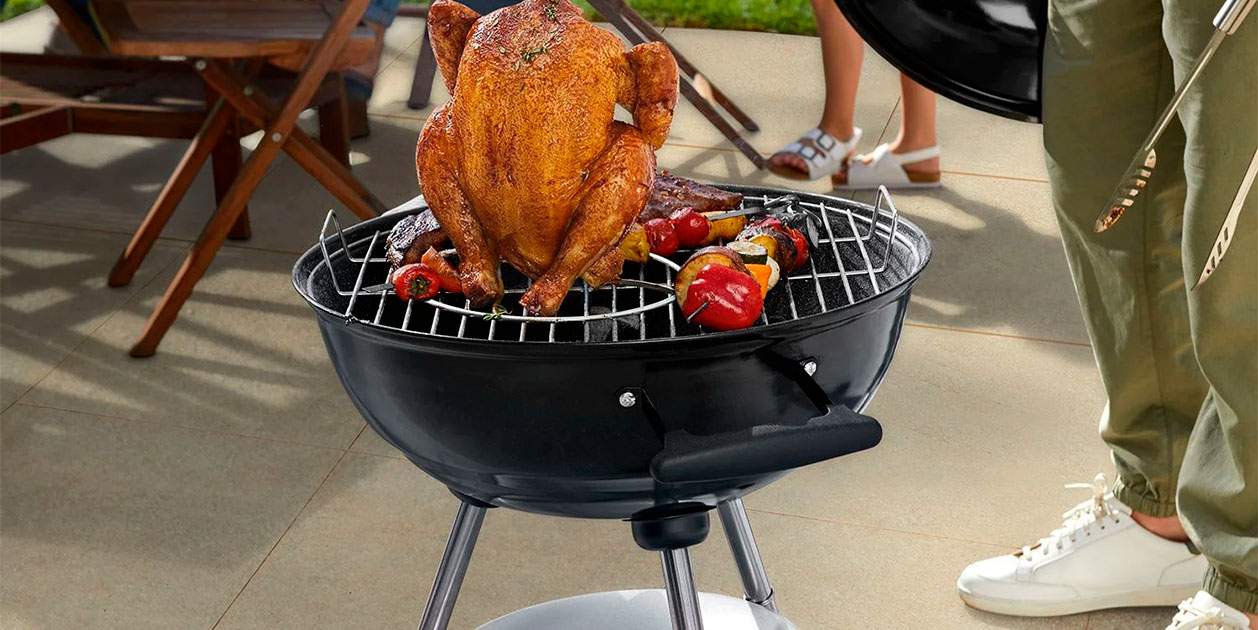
(789, 160)
(1167, 527)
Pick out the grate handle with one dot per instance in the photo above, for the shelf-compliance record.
(884, 195)
(763, 449)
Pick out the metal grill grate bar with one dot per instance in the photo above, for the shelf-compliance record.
(585, 309)
(845, 240)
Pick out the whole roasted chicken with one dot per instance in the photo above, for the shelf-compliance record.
(526, 162)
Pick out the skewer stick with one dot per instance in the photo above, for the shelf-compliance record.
(690, 318)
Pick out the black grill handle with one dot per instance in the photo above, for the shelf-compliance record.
(763, 449)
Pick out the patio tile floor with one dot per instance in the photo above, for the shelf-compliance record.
(228, 481)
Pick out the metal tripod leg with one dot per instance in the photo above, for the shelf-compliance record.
(743, 545)
(679, 585)
(445, 588)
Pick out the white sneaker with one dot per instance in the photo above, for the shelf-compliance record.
(1204, 612)
(1098, 558)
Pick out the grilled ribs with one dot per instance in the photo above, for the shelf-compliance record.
(670, 193)
(411, 237)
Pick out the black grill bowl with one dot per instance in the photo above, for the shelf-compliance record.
(541, 426)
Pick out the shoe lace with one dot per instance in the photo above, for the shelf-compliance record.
(1081, 519)
(1193, 617)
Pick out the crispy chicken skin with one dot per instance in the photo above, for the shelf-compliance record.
(525, 163)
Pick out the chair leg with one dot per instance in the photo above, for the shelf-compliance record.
(334, 124)
(649, 30)
(359, 124)
(203, 144)
(206, 247)
(686, 85)
(705, 107)
(226, 162)
(425, 72)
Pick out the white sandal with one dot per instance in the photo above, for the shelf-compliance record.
(881, 167)
(823, 153)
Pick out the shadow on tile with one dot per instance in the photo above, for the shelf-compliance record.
(53, 294)
(245, 356)
(108, 183)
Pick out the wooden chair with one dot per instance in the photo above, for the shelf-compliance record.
(697, 89)
(230, 41)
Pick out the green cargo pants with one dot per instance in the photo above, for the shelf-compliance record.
(1180, 367)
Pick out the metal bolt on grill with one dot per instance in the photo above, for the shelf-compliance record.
(860, 253)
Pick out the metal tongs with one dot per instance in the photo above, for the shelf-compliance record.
(1226, 21)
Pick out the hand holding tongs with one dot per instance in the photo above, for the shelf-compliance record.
(1226, 21)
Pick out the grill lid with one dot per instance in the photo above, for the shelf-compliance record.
(981, 53)
(863, 252)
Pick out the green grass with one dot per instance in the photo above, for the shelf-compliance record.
(14, 8)
(778, 16)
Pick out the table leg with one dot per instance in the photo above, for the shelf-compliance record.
(206, 247)
(207, 140)
(226, 162)
(425, 72)
(334, 124)
(321, 165)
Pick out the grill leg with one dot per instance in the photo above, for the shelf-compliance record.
(742, 544)
(445, 588)
(679, 584)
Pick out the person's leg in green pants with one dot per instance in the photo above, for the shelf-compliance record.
(1218, 483)
(1110, 67)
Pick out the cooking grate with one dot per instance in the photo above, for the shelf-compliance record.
(861, 252)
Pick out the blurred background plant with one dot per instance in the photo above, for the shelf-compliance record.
(12, 8)
(777, 16)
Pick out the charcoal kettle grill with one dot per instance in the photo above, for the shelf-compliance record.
(617, 407)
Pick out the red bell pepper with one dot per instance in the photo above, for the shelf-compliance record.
(723, 298)
(416, 281)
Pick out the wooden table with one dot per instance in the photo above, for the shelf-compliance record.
(229, 42)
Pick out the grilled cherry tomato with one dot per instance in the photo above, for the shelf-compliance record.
(692, 228)
(662, 236)
(416, 281)
(725, 298)
(801, 246)
(449, 277)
